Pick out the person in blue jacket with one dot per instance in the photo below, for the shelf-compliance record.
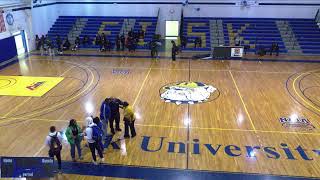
(105, 114)
(98, 122)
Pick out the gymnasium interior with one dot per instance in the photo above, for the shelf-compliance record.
(169, 89)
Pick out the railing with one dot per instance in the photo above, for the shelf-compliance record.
(291, 36)
(181, 24)
(317, 17)
(158, 22)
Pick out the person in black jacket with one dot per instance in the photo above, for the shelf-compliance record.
(115, 104)
(86, 40)
(66, 45)
(38, 43)
(276, 48)
(76, 44)
(123, 42)
(118, 42)
(59, 43)
(107, 45)
(102, 45)
(42, 43)
(184, 42)
(153, 47)
(98, 40)
(197, 42)
(174, 50)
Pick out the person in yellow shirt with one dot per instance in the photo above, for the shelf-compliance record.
(128, 119)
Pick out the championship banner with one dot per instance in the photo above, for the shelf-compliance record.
(237, 52)
(27, 85)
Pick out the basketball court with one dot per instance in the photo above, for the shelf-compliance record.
(241, 101)
(260, 117)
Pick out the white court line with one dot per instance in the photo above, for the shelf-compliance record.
(38, 152)
(43, 146)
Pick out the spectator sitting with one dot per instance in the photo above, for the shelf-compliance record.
(138, 34)
(246, 48)
(197, 42)
(86, 40)
(130, 33)
(123, 42)
(118, 42)
(102, 45)
(276, 48)
(38, 44)
(237, 41)
(107, 45)
(98, 39)
(142, 34)
(76, 44)
(43, 46)
(103, 37)
(261, 51)
(59, 43)
(183, 41)
(66, 45)
(42, 39)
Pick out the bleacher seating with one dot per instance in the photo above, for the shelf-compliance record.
(149, 26)
(261, 32)
(307, 34)
(197, 27)
(110, 26)
(253, 32)
(62, 26)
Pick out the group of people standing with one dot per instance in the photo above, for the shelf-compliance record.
(122, 41)
(94, 131)
(261, 50)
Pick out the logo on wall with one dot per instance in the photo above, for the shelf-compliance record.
(10, 19)
(296, 123)
(35, 85)
(188, 93)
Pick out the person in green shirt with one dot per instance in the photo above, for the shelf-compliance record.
(74, 137)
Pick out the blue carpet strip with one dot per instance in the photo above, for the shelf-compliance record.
(139, 172)
(143, 172)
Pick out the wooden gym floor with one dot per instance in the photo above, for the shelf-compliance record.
(238, 131)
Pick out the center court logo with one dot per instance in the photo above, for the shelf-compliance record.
(35, 85)
(187, 92)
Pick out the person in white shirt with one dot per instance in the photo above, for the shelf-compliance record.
(54, 143)
(93, 144)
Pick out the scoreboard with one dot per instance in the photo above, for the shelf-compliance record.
(27, 167)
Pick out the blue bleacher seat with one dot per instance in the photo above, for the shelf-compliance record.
(64, 24)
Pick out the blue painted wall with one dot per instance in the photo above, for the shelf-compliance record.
(8, 49)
